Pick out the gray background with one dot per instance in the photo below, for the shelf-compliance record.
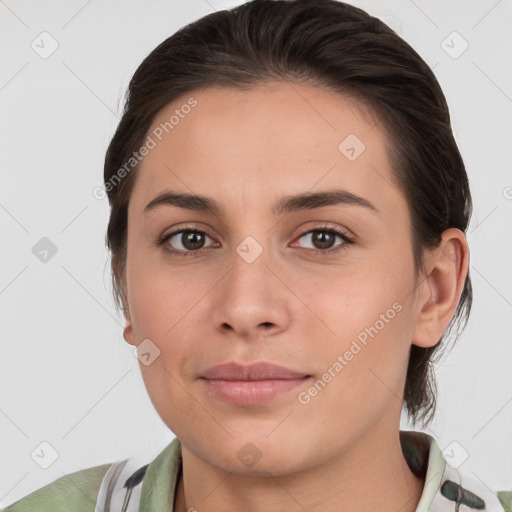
(68, 377)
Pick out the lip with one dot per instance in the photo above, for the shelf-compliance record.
(255, 371)
(251, 385)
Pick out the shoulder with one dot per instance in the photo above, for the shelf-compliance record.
(460, 488)
(505, 498)
(448, 486)
(75, 492)
(112, 484)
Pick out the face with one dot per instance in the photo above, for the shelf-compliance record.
(323, 287)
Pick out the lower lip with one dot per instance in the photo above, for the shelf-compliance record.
(251, 392)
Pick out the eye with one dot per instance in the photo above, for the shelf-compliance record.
(322, 238)
(188, 241)
(184, 241)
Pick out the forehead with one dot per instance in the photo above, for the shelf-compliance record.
(256, 145)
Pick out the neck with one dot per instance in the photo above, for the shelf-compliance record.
(370, 474)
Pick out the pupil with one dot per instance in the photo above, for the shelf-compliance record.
(322, 243)
(192, 240)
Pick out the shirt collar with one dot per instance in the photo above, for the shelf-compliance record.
(420, 450)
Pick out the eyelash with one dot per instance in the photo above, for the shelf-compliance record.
(321, 228)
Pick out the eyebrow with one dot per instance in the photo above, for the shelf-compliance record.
(287, 204)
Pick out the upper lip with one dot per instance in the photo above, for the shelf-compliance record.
(255, 371)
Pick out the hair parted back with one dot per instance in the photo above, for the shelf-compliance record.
(341, 48)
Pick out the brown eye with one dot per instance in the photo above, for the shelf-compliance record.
(185, 240)
(192, 240)
(324, 239)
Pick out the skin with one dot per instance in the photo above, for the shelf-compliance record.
(292, 306)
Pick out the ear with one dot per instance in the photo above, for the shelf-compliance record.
(441, 287)
(120, 278)
(128, 329)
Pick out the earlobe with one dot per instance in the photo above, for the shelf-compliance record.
(118, 271)
(128, 333)
(441, 288)
(128, 329)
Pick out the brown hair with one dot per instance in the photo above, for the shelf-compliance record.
(341, 48)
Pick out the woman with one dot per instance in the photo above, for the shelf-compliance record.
(287, 230)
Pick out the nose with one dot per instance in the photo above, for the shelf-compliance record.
(252, 300)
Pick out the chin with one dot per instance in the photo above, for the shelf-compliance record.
(255, 454)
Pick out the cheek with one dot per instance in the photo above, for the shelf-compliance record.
(347, 303)
(161, 296)
(364, 353)
(362, 326)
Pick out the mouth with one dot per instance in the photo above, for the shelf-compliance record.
(251, 385)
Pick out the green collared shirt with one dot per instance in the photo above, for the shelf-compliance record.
(446, 488)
